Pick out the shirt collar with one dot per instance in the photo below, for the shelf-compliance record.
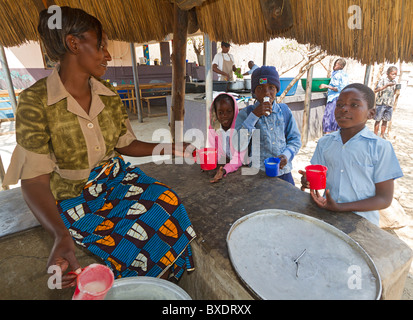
(366, 133)
(56, 91)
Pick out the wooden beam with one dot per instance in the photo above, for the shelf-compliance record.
(307, 106)
(178, 72)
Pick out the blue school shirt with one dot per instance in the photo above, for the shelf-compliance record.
(277, 135)
(355, 167)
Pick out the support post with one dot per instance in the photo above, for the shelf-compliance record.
(136, 82)
(307, 105)
(178, 72)
(208, 80)
(9, 82)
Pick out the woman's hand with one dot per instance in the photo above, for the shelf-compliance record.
(218, 175)
(63, 255)
(325, 203)
(304, 183)
(183, 149)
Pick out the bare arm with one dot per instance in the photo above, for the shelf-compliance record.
(141, 149)
(40, 200)
(215, 69)
(381, 200)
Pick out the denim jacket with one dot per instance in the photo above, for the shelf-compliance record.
(278, 134)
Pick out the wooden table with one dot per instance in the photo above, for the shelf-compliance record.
(213, 208)
(130, 95)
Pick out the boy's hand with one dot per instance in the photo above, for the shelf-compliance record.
(283, 161)
(325, 203)
(263, 109)
(304, 183)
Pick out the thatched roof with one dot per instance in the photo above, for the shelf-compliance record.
(386, 29)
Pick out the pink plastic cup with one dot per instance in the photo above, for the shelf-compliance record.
(206, 157)
(316, 176)
(93, 282)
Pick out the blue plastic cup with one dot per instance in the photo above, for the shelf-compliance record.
(272, 166)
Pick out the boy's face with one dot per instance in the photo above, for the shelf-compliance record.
(352, 110)
(266, 90)
(225, 114)
(392, 75)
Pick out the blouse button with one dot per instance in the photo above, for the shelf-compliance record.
(90, 125)
(97, 148)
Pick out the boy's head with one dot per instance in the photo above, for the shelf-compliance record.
(263, 80)
(339, 64)
(354, 106)
(392, 73)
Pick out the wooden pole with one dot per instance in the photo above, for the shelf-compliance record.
(9, 82)
(307, 104)
(136, 81)
(178, 72)
(208, 80)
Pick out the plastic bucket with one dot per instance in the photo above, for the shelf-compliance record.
(272, 166)
(206, 157)
(93, 282)
(284, 82)
(316, 176)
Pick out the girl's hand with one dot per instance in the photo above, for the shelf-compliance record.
(63, 255)
(304, 183)
(325, 203)
(218, 175)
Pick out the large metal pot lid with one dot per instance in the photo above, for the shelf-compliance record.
(281, 254)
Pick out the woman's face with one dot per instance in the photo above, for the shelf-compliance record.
(93, 59)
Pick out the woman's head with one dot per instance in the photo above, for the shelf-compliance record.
(75, 22)
(339, 64)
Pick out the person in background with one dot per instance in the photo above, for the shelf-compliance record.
(361, 166)
(252, 67)
(385, 100)
(71, 130)
(339, 79)
(279, 135)
(223, 63)
(223, 115)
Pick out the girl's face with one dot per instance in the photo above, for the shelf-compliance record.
(266, 90)
(352, 110)
(225, 113)
(94, 60)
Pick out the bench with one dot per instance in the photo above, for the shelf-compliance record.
(151, 91)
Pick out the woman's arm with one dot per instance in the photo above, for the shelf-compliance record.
(40, 200)
(143, 149)
(382, 199)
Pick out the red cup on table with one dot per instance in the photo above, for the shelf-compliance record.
(316, 176)
(93, 282)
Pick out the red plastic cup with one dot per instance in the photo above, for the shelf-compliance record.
(93, 282)
(206, 157)
(316, 176)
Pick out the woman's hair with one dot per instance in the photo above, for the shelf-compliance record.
(74, 22)
(223, 96)
(366, 91)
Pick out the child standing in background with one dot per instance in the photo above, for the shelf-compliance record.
(361, 166)
(223, 114)
(385, 100)
(339, 80)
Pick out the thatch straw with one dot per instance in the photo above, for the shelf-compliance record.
(386, 33)
(18, 22)
(129, 20)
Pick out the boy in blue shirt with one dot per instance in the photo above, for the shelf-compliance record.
(361, 166)
(278, 132)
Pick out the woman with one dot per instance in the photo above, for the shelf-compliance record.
(71, 129)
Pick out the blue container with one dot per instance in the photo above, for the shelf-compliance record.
(284, 84)
(272, 166)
